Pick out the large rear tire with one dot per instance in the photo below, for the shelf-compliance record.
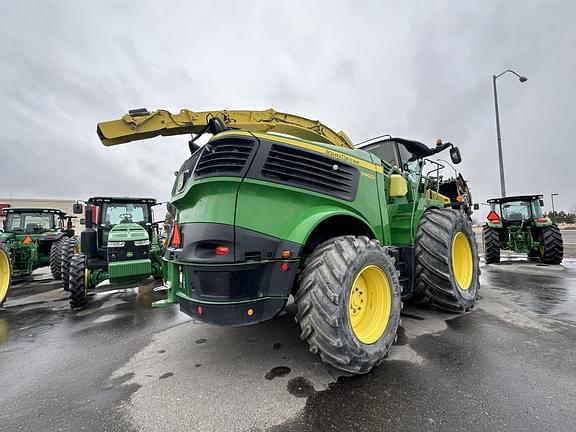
(491, 245)
(552, 249)
(79, 280)
(56, 258)
(69, 248)
(5, 274)
(349, 303)
(447, 267)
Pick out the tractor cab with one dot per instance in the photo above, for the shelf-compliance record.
(517, 211)
(33, 220)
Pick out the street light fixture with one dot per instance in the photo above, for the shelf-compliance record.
(552, 198)
(522, 79)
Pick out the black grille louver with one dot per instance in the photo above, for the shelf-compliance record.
(225, 157)
(309, 170)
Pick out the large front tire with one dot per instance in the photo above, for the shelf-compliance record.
(447, 267)
(349, 303)
(552, 249)
(69, 248)
(56, 258)
(79, 281)
(5, 274)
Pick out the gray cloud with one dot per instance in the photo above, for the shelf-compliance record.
(421, 69)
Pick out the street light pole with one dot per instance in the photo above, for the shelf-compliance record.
(498, 136)
(552, 198)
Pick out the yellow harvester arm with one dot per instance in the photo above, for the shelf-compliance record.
(140, 124)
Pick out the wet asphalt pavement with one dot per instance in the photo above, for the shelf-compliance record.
(510, 365)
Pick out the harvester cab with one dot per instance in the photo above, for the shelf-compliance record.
(31, 239)
(275, 205)
(414, 158)
(120, 243)
(518, 224)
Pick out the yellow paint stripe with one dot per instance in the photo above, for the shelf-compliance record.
(308, 146)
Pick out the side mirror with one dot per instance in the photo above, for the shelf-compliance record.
(455, 155)
(476, 206)
(541, 202)
(170, 208)
(77, 208)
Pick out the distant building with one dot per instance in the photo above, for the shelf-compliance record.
(65, 205)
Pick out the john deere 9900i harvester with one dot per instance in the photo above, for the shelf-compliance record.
(275, 204)
(32, 238)
(120, 244)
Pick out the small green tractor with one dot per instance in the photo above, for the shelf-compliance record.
(120, 243)
(518, 224)
(275, 205)
(32, 238)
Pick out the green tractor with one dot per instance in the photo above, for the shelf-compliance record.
(275, 205)
(120, 243)
(32, 238)
(518, 224)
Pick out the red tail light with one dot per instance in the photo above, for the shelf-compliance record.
(221, 250)
(493, 217)
(176, 237)
(542, 219)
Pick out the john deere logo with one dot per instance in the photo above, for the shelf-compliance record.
(129, 254)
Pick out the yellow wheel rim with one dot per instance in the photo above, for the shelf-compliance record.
(4, 275)
(462, 262)
(369, 304)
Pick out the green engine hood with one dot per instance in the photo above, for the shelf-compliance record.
(128, 232)
(6, 237)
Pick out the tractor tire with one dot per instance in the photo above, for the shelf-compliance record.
(5, 274)
(78, 281)
(342, 276)
(447, 265)
(491, 245)
(69, 248)
(56, 258)
(552, 251)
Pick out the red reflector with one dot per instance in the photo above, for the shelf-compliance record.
(27, 240)
(284, 266)
(200, 310)
(221, 250)
(176, 237)
(493, 216)
(543, 219)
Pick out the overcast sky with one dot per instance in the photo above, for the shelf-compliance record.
(417, 69)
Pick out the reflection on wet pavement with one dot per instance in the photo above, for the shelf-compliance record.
(549, 290)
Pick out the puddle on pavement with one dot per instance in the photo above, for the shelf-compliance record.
(551, 293)
(300, 387)
(278, 371)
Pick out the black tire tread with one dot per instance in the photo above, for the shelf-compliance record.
(76, 281)
(56, 258)
(318, 299)
(553, 245)
(491, 245)
(68, 250)
(433, 284)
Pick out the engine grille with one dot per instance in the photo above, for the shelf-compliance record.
(313, 171)
(224, 157)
